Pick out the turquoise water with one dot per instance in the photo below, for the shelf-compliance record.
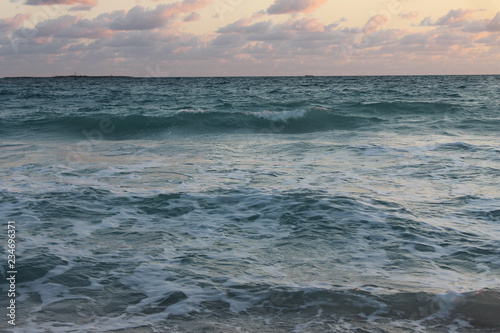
(279, 204)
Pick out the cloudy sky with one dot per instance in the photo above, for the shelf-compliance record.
(249, 37)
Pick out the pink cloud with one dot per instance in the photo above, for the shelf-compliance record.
(294, 6)
(309, 25)
(490, 39)
(455, 16)
(13, 23)
(61, 2)
(375, 23)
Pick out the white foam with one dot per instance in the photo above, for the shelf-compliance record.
(279, 116)
(191, 111)
(448, 301)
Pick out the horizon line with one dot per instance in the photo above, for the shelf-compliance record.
(228, 76)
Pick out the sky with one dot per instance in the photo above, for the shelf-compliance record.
(249, 37)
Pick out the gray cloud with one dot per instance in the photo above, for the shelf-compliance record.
(455, 17)
(139, 18)
(80, 8)
(415, 39)
(192, 17)
(66, 26)
(492, 25)
(241, 26)
(229, 40)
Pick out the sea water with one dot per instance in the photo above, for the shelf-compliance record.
(266, 204)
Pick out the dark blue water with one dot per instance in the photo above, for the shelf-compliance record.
(278, 204)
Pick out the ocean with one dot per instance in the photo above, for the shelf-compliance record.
(251, 204)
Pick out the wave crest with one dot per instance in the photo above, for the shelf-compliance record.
(304, 120)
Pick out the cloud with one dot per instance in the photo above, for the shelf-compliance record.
(304, 36)
(140, 18)
(294, 37)
(375, 23)
(79, 8)
(66, 26)
(492, 25)
(132, 40)
(61, 2)
(409, 15)
(13, 23)
(192, 17)
(490, 39)
(308, 24)
(426, 22)
(455, 17)
(415, 39)
(308, 38)
(453, 38)
(229, 41)
(103, 26)
(294, 6)
(241, 26)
